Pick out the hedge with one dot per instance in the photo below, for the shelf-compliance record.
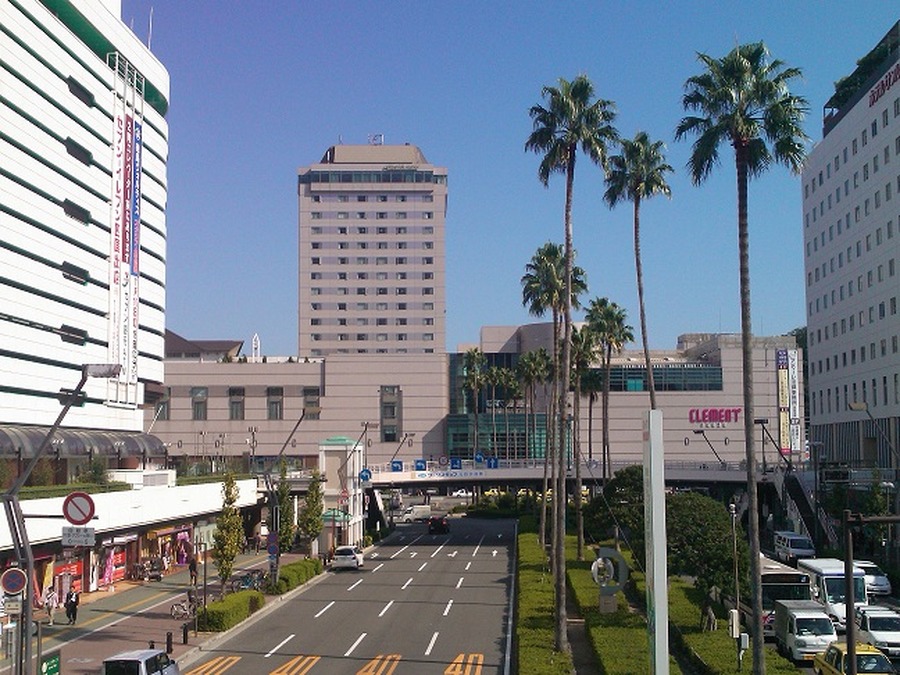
(231, 610)
(296, 574)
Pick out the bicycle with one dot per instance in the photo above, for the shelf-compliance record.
(254, 580)
(184, 609)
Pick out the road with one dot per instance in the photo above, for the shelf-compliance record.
(422, 604)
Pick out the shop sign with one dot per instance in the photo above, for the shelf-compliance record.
(714, 418)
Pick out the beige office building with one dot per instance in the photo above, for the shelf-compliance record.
(371, 252)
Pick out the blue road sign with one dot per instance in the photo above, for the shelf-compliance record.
(455, 463)
(493, 463)
(420, 465)
(365, 475)
(13, 580)
(479, 457)
(396, 465)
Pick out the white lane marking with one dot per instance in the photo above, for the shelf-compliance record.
(386, 608)
(468, 565)
(447, 608)
(280, 645)
(413, 554)
(399, 551)
(422, 566)
(324, 609)
(494, 553)
(355, 644)
(355, 584)
(452, 555)
(431, 644)
(374, 555)
(380, 565)
(438, 549)
(477, 546)
(408, 582)
(459, 583)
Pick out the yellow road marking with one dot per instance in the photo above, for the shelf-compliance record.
(466, 664)
(299, 665)
(380, 665)
(214, 666)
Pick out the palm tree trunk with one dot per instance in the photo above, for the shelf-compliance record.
(640, 288)
(605, 458)
(741, 160)
(579, 514)
(494, 420)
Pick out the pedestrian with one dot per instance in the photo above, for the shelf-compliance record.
(192, 568)
(51, 601)
(71, 604)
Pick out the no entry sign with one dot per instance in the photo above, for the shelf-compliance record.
(78, 508)
(13, 581)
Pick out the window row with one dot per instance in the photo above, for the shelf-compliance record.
(376, 215)
(362, 290)
(827, 236)
(380, 350)
(377, 306)
(378, 276)
(381, 260)
(874, 392)
(236, 401)
(381, 199)
(871, 279)
(848, 359)
(408, 176)
(365, 245)
(855, 320)
(379, 321)
(376, 337)
(381, 229)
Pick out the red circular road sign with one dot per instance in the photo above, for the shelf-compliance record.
(78, 508)
(13, 581)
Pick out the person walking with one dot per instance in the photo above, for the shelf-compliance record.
(51, 601)
(192, 568)
(71, 604)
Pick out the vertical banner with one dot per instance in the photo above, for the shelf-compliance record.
(115, 253)
(789, 417)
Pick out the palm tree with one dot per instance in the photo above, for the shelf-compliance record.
(584, 347)
(572, 119)
(607, 321)
(591, 385)
(473, 365)
(637, 174)
(493, 379)
(743, 99)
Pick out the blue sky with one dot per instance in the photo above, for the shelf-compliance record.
(259, 89)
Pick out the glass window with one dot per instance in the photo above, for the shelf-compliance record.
(235, 403)
(198, 403)
(275, 403)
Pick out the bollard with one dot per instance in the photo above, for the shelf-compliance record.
(169, 642)
(184, 633)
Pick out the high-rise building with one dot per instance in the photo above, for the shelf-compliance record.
(83, 153)
(371, 256)
(851, 235)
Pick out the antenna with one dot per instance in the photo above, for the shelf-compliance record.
(150, 30)
(376, 139)
(254, 346)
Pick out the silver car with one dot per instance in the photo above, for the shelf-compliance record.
(140, 662)
(877, 582)
(347, 557)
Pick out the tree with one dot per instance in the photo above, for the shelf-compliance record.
(621, 506)
(285, 510)
(309, 520)
(584, 348)
(473, 368)
(571, 120)
(637, 174)
(493, 378)
(743, 99)
(607, 321)
(229, 533)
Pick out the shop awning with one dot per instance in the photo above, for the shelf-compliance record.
(24, 440)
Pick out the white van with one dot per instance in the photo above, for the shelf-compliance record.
(416, 512)
(802, 629)
(790, 547)
(828, 586)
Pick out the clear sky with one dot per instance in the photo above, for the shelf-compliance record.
(259, 89)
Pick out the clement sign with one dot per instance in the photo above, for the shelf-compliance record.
(714, 416)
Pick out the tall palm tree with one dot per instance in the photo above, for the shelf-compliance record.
(493, 380)
(572, 119)
(584, 347)
(473, 365)
(638, 173)
(591, 385)
(607, 321)
(744, 99)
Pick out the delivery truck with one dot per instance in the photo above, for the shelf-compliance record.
(802, 629)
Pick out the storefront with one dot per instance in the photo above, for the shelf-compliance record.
(171, 545)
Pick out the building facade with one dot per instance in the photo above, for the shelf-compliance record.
(82, 222)
(371, 252)
(851, 233)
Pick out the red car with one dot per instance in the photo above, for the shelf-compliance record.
(438, 525)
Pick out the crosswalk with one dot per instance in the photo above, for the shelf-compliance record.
(383, 664)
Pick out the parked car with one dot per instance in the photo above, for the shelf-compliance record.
(461, 493)
(347, 557)
(868, 660)
(140, 662)
(880, 627)
(438, 525)
(877, 582)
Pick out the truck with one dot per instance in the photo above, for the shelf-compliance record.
(802, 629)
(828, 586)
(419, 512)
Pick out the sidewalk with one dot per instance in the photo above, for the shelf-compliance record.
(130, 616)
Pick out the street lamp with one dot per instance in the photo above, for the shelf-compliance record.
(16, 519)
(763, 421)
(732, 509)
(702, 432)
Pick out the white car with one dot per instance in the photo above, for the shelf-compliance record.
(140, 662)
(347, 557)
(877, 582)
(461, 493)
(879, 627)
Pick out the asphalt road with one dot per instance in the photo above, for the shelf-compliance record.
(422, 604)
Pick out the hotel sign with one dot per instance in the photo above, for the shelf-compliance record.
(890, 78)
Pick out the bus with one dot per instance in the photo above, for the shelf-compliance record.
(778, 582)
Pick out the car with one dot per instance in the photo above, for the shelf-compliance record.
(140, 662)
(347, 557)
(438, 525)
(880, 627)
(877, 582)
(868, 660)
(790, 547)
(461, 493)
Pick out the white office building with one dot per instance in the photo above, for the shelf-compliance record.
(83, 151)
(851, 233)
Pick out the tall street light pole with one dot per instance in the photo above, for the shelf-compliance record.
(732, 509)
(16, 519)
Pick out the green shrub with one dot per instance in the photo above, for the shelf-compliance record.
(223, 614)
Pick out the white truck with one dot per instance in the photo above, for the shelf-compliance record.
(802, 629)
(828, 586)
(419, 512)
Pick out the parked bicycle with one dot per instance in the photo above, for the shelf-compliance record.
(185, 609)
(252, 580)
